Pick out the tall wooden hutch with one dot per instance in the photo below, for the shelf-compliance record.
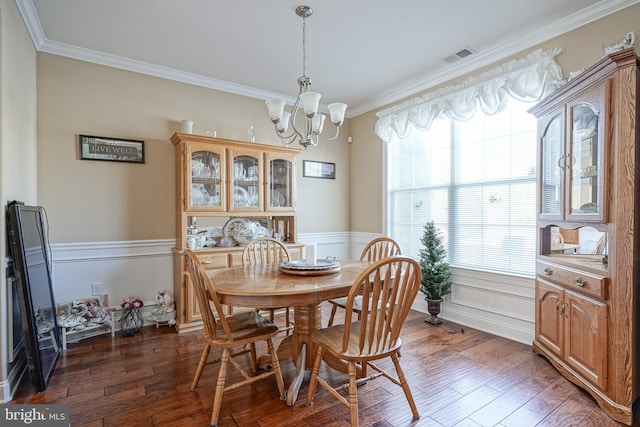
(587, 283)
(219, 179)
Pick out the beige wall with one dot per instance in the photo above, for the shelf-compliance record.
(18, 169)
(18, 109)
(108, 201)
(105, 201)
(583, 47)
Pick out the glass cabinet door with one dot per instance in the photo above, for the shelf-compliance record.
(586, 166)
(280, 192)
(246, 179)
(205, 178)
(552, 169)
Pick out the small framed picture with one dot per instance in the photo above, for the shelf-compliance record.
(313, 169)
(111, 149)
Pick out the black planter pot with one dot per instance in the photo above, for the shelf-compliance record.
(433, 307)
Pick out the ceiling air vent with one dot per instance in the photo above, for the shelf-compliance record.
(462, 53)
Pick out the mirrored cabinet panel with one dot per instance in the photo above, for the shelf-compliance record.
(584, 245)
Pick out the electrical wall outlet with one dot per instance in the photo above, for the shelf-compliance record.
(96, 289)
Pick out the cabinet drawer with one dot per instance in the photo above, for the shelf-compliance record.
(587, 283)
(236, 259)
(213, 261)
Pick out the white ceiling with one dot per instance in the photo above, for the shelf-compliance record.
(364, 53)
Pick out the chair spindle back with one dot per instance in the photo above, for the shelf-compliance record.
(206, 296)
(391, 286)
(381, 247)
(265, 251)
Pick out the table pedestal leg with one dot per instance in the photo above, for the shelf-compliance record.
(306, 319)
(296, 383)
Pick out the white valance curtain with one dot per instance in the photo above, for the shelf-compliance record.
(527, 79)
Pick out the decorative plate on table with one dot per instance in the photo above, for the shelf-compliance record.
(299, 267)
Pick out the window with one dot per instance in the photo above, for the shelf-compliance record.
(477, 181)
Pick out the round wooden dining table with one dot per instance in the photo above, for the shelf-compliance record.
(268, 287)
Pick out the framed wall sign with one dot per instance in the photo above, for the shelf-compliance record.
(111, 149)
(313, 169)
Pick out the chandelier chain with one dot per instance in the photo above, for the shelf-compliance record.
(304, 46)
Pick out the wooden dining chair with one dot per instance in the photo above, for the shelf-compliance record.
(268, 251)
(391, 284)
(227, 333)
(375, 250)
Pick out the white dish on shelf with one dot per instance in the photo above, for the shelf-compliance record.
(199, 195)
(227, 242)
(240, 196)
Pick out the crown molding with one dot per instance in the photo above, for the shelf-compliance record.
(101, 58)
(557, 28)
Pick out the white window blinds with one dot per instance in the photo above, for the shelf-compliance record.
(477, 181)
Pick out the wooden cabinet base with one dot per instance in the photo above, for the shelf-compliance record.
(185, 327)
(620, 413)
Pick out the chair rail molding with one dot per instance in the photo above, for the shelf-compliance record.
(499, 304)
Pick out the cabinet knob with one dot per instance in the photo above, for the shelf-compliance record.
(206, 262)
(580, 281)
(548, 271)
(561, 162)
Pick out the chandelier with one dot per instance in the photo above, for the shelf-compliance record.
(306, 133)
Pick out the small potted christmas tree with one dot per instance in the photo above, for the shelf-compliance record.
(436, 272)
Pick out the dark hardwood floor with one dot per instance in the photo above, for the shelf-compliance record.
(458, 376)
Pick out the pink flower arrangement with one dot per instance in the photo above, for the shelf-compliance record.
(132, 302)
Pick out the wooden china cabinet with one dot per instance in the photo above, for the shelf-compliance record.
(587, 322)
(219, 179)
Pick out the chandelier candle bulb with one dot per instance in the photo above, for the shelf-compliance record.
(317, 123)
(276, 109)
(337, 111)
(311, 254)
(310, 103)
(284, 123)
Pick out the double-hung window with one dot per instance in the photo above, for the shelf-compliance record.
(476, 180)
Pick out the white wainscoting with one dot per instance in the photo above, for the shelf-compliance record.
(332, 244)
(498, 304)
(130, 268)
